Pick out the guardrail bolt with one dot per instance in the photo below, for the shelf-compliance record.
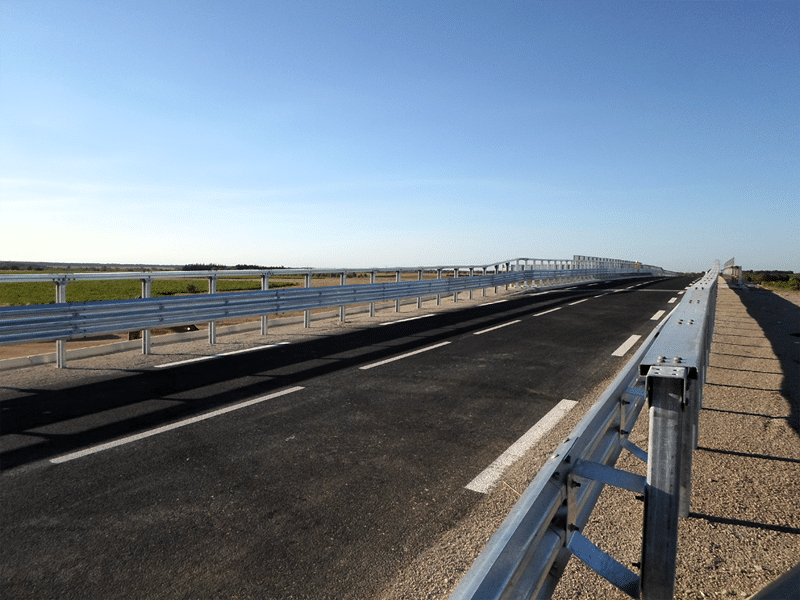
(662, 359)
(677, 360)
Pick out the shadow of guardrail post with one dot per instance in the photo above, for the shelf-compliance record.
(779, 319)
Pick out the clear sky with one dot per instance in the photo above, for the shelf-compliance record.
(399, 133)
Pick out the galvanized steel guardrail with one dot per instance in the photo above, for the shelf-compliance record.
(63, 321)
(528, 554)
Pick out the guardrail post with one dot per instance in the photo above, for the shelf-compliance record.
(419, 298)
(264, 287)
(307, 312)
(455, 292)
(61, 345)
(372, 279)
(398, 279)
(212, 325)
(342, 309)
(146, 287)
(666, 394)
(471, 274)
(438, 296)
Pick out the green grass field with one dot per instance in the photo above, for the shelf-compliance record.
(18, 294)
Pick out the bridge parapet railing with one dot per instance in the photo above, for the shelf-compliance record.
(64, 320)
(529, 552)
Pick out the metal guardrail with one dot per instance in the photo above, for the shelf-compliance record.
(63, 321)
(529, 552)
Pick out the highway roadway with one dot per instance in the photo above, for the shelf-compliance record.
(311, 469)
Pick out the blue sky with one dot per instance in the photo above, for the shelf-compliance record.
(371, 134)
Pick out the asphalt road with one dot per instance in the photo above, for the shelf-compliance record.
(315, 469)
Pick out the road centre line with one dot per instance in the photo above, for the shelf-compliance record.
(658, 315)
(145, 434)
(406, 320)
(577, 302)
(626, 345)
(496, 327)
(547, 311)
(489, 477)
(210, 356)
(671, 300)
(388, 360)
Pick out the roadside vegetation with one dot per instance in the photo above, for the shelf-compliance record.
(774, 280)
(43, 292)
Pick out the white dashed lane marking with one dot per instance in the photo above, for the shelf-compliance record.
(489, 477)
(627, 345)
(406, 355)
(496, 327)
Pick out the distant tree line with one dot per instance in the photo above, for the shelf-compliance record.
(215, 267)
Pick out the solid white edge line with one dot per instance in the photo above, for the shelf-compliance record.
(578, 302)
(406, 320)
(210, 356)
(158, 430)
(489, 477)
(658, 315)
(185, 362)
(626, 345)
(495, 302)
(496, 327)
(547, 311)
(388, 360)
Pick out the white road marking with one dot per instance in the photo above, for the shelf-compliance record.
(165, 428)
(658, 315)
(627, 345)
(671, 300)
(547, 311)
(210, 356)
(489, 477)
(388, 360)
(601, 295)
(495, 302)
(578, 302)
(496, 327)
(405, 320)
